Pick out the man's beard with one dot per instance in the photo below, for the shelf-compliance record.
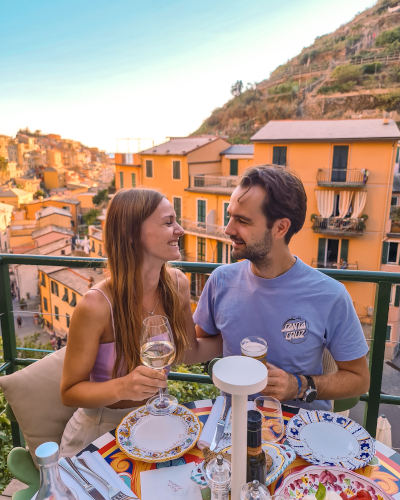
(257, 254)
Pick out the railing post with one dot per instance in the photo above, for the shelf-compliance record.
(377, 355)
(8, 334)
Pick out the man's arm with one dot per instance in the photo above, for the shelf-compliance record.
(352, 379)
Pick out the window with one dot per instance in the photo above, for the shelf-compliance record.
(56, 313)
(339, 164)
(43, 281)
(395, 295)
(54, 288)
(133, 179)
(121, 180)
(62, 252)
(100, 252)
(73, 301)
(176, 169)
(65, 296)
(45, 304)
(93, 248)
(395, 201)
(201, 249)
(178, 209)
(279, 155)
(234, 167)
(226, 215)
(388, 332)
(149, 168)
(201, 213)
(392, 253)
(68, 318)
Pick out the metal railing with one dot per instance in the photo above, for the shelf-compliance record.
(211, 182)
(329, 177)
(204, 229)
(333, 265)
(336, 225)
(384, 282)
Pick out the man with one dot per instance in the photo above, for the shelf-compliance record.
(273, 294)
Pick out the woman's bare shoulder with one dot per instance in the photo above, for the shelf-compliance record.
(178, 274)
(93, 303)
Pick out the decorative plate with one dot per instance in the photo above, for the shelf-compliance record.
(282, 456)
(151, 438)
(336, 479)
(328, 439)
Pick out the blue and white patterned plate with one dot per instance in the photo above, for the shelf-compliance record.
(328, 439)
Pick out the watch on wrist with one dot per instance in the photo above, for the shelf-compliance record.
(310, 394)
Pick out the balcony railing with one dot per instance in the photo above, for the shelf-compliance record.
(336, 177)
(384, 282)
(333, 265)
(336, 225)
(204, 229)
(213, 183)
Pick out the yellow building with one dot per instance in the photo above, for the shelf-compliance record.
(54, 178)
(127, 170)
(29, 184)
(60, 290)
(54, 158)
(15, 197)
(4, 140)
(96, 242)
(73, 206)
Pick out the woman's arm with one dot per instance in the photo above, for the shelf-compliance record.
(201, 349)
(88, 323)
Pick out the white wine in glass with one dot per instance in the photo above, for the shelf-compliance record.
(157, 351)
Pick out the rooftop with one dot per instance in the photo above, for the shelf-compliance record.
(77, 279)
(51, 228)
(180, 145)
(13, 193)
(239, 149)
(318, 130)
(45, 212)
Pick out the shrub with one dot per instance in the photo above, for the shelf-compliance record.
(388, 37)
(346, 73)
(187, 391)
(337, 87)
(91, 216)
(370, 69)
(283, 88)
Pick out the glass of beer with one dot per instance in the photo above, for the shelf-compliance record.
(272, 427)
(254, 347)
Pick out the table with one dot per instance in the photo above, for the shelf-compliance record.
(385, 470)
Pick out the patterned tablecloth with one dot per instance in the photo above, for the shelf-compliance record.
(385, 471)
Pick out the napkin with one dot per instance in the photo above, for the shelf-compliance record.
(169, 483)
(207, 434)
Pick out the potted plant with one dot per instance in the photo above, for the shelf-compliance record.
(395, 217)
(28, 295)
(23, 304)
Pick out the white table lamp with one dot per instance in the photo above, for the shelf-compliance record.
(239, 376)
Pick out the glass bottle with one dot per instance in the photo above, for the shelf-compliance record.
(256, 460)
(254, 491)
(51, 484)
(218, 474)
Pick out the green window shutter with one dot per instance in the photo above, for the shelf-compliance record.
(176, 169)
(388, 332)
(234, 167)
(321, 251)
(397, 296)
(201, 210)
(219, 252)
(133, 175)
(178, 209)
(385, 252)
(121, 180)
(340, 156)
(226, 216)
(344, 250)
(397, 155)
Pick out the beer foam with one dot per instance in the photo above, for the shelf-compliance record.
(254, 349)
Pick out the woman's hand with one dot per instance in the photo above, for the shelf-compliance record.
(142, 383)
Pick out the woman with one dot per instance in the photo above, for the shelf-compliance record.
(102, 372)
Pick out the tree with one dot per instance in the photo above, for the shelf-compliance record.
(91, 216)
(236, 88)
(38, 193)
(101, 197)
(3, 169)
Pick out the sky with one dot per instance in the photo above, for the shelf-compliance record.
(97, 71)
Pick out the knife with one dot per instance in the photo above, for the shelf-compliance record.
(220, 426)
(67, 464)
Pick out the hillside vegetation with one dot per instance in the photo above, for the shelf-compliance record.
(353, 72)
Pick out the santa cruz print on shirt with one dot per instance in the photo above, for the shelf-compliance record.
(295, 330)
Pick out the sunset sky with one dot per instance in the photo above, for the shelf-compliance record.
(99, 70)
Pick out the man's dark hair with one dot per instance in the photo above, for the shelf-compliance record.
(285, 195)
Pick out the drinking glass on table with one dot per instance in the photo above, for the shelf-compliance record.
(272, 428)
(157, 350)
(254, 347)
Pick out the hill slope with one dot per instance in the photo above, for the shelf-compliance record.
(353, 72)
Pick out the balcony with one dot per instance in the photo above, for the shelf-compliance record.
(338, 226)
(333, 265)
(213, 184)
(204, 229)
(341, 178)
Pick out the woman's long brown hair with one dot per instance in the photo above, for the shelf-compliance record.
(126, 213)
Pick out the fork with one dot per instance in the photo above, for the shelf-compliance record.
(113, 493)
(228, 427)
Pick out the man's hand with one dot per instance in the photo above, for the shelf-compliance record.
(281, 385)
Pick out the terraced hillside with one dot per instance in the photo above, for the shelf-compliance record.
(353, 72)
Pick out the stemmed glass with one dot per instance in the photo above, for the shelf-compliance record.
(273, 426)
(157, 351)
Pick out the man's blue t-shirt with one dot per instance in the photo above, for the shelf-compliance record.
(298, 314)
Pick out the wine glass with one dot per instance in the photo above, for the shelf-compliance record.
(157, 351)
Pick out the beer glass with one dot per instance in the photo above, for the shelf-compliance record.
(254, 347)
(273, 427)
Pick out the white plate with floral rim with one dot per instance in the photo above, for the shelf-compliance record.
(337, 479)
(329, 439)
(150, 438)
(282, 456)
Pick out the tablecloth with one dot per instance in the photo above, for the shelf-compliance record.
(385, 471)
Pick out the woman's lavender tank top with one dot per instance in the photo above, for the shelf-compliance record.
(104, 364)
